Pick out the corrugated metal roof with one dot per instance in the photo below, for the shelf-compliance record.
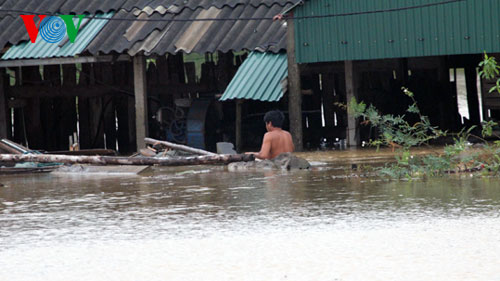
(161, 37)
(196, 4)
(259, 78)
(42, 49)
(466, 27)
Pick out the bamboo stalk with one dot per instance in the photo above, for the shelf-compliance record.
(112, 160)
(179, 147)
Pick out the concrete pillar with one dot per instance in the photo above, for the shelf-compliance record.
(141, 100)
(352, 133)
(3, 107)
(294, 89)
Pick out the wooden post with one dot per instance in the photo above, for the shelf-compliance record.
(141, 101)
(294, 89)
(3, 107)
(472, 98)
(350, 85)
(239, 114)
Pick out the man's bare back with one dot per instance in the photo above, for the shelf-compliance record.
(276, 140)
(280, 142)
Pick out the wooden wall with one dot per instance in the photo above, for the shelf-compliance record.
(49, 102)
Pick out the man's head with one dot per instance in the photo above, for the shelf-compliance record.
(274, 119)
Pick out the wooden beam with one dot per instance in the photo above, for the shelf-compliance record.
(178, 147)
(53, 61)
(350, 83)
(141, 101)
(294, 89)
(65, 91)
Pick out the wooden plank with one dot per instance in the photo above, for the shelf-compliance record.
(141, 101)
(239, 124)
(449, 115)
(176, 68)
(294, 89)
(351, 92)
(120, 73)
(105, 75)
(32, 115)
(190, 72)
(163, 71)
(328, 82)
(314, 104)
(59, 61)
(48, 111)
(472, 97)
(96, 122)
(68, 115)
(83, 108)
(178, 147)
(13, 147)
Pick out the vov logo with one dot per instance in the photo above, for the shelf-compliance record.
(52, 29)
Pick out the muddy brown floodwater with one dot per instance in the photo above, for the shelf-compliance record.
(205, 223)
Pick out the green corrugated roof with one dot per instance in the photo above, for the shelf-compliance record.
(42, 49)
(259, 78)
(431, 28)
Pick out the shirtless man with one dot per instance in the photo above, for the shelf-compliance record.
(276, 140)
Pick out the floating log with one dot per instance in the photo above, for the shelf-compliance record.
(179, 147)
(87, 152)
(112, 160)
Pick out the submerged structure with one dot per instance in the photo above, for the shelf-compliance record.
(200, 72)
(370, 49)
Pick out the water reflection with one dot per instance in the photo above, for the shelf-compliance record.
(281, 218)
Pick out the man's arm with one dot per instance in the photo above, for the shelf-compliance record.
(265, 150)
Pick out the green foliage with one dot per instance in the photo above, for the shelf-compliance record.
(490, 70)
(395, 129)
(457, 157)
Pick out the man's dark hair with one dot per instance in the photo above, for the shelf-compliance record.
(276, 118)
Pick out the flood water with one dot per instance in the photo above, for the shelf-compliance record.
(205, 223)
